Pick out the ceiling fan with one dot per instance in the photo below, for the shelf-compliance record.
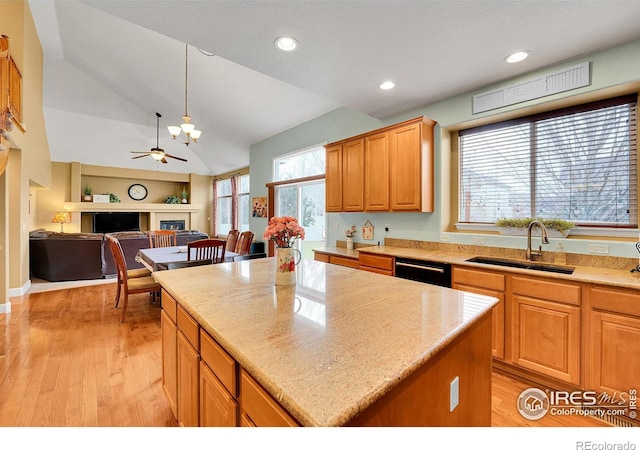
(157, 153)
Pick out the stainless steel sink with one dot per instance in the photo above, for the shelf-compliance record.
(522, 264)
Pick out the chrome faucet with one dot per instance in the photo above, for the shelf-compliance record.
(533, 254)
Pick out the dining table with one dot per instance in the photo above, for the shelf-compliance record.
(159, 258)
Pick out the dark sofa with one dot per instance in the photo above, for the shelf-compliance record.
(85, 256)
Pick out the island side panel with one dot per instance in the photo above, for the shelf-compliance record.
(423, 398)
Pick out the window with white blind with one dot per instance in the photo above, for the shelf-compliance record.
(577, 164)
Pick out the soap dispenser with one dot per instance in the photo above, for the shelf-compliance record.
(561, 255)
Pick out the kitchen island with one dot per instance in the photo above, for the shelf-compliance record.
(341, 347)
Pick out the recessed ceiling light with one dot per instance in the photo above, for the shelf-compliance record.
(387, 85)
(517, 56)
(286, 43)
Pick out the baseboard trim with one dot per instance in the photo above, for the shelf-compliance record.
(19, 292)
(5, 308)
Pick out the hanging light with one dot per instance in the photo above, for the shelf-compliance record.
(186, 127)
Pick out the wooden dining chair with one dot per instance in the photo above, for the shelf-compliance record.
(212, 249)
(232, 240)
(243, 247)
(163, 238)
(129, 285)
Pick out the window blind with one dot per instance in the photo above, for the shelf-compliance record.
(577, 164)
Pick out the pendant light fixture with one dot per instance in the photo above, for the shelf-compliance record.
(186, 127)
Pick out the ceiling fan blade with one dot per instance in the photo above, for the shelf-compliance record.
(164, 161)
(141, 156)
(174, 157)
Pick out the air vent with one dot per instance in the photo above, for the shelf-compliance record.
(547, 84)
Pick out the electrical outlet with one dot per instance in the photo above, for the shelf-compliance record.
(444, 237)
(478, 240)
(599, 249)
(454, 394)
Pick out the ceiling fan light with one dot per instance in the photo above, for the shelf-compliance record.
(157, 155)
(174, 131)
(195, 134)
(187, 128)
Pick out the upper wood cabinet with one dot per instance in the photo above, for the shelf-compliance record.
(390, 169)
(333, 172)
(376, 172)
(352, 175)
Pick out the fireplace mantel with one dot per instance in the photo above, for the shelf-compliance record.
(130, 207)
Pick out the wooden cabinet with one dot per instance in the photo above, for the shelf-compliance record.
(353, 176)
(201, 380)
(390, 169)
(411, 167)
(614, 337)
(485, 283)
(376, 168)
(333, 178)
(188, 369)
(169, 359)
(546, 327)
(259, 408)
(337, 259)
(382, 264)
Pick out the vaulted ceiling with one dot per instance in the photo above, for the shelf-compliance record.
(111, 65)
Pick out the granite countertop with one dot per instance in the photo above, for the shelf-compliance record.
(329, 346)
(582, 273)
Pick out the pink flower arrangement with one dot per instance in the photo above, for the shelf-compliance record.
(283, 231)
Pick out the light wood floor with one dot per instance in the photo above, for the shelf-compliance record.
(66, 360)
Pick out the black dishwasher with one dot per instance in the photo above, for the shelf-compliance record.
(430, 272)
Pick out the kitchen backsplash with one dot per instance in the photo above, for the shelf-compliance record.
(573, 259)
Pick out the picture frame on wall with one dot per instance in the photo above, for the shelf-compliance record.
(259, 207)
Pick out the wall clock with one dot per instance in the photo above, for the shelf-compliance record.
(138, 192)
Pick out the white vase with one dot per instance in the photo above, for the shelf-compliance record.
(287, 259)
(349, 243)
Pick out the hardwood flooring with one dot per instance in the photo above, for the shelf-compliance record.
(66, 360)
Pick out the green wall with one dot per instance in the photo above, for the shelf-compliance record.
(615, 70)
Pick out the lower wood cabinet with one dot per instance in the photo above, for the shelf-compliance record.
(218, 408)
(382, 264)
(169, 360)
(336, 259)
(546, 327)
(259, 408)
(485, 283)
(202, 382)
(614, 339)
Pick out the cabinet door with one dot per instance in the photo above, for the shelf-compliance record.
(615, 353)
(169, 360)
(497, 334)
(353, 175)
(260, 408)
(188, 383)
(333, 179)
(546, 338)
(405, 164)
(376, 180)
(217, 407)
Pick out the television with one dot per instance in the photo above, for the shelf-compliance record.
(112, 222)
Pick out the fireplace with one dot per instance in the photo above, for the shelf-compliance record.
(172, 224)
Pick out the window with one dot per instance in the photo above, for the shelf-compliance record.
(302, 198)
(226, 218)
(223, 213)
(244, 208)
(577, 164)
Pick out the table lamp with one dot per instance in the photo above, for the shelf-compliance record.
(61, 218)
